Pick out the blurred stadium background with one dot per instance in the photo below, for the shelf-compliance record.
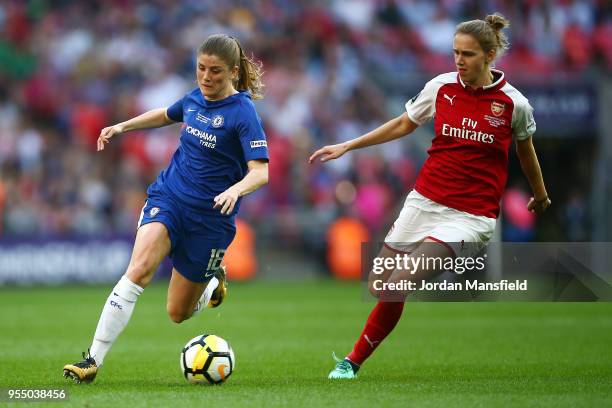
(334, 69)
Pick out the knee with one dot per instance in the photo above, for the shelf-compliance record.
(177, 315)
(373, 291)
(140, 273)
(375, 283)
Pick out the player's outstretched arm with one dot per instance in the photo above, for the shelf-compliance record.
(255, 178)
(531, 168)
(151, 119)
(393, 129)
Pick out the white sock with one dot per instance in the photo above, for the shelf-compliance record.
(206, 295)
(115, 316)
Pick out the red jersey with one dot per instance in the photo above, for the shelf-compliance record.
(467, 165)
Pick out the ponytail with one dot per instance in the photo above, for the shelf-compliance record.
(249, 75)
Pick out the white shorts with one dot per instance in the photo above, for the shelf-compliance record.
(465, 234)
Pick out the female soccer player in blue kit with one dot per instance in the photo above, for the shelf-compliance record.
(190, 209)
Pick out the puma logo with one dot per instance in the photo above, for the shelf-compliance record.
(370, 342)
(450, 99)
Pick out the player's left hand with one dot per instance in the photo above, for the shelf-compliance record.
(227, 200)
(538, 206)
(330, 152)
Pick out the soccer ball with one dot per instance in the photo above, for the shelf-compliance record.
(207, 359)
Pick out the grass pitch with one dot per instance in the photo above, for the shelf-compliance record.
(440, 354)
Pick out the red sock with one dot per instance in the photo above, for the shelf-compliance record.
(381, 322)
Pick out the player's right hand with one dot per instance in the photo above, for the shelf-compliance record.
(106, 134)
(538, 206)
(329, 152)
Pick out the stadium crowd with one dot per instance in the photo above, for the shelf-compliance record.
(69, 68)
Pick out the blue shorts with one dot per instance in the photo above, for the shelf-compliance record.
(198, 241)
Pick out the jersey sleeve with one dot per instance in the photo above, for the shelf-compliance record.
(523, 123)
(422, 107)
(175, 111)
(252, 136)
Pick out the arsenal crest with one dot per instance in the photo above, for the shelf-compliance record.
(497, 108)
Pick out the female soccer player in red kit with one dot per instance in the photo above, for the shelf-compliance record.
(455, 202)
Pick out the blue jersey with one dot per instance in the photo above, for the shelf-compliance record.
(218, 138)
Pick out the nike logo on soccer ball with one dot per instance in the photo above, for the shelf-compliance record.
(450, 99)
(221, 371)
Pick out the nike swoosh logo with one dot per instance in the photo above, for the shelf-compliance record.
(221, 371)
(191, 110)
(209, 274)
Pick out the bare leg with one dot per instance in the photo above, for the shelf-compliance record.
(151, 246)
(183, 296)
(387, 312)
